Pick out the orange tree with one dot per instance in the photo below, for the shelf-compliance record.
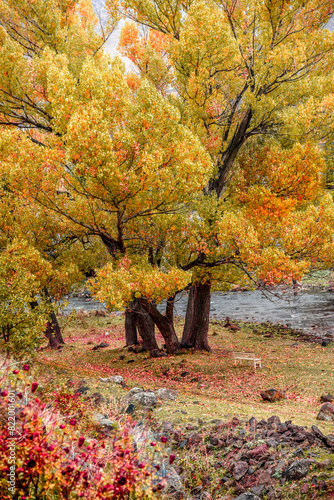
(239, 70)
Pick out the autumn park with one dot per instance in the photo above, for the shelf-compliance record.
(166, 249)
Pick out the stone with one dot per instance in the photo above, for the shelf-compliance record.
(258, 490)
(100, 346)
(117, 379)
(272, 395)
(147, 399)
(135, 390)
(326, 412)
(264, 477)
(96, 398)
(239, 470)
(130, 409)
(317, 432)
(252, 423)
(174, 482)
(329, 440)
(297, 469)
(103, 421)
(304, 488)
(166, 394)
(258, 451)
(194, 438)
(82, 390)
(247, 496)
(274, 420)
(324, 464)
(326, 398)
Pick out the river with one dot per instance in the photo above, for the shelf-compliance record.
(311, 311)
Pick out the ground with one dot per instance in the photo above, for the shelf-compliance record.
(209, 384)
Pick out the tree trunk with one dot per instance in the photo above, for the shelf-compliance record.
(196, 327)
(130, 326)
(188, 339)
(145, 327)
(53, 332)
(165, 327)
(170, 309)
(52, 328)
(137, 319)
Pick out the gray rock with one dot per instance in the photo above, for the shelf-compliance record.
(247, 496)
(239, 470)
(103, 421)
(117, 379)
(135, 390)
(147, 399)
(166, 394)
(258, 490)
(297, 469)
(174, 482)
(326, 412)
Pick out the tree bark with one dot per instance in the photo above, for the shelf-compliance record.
(138, 320)
(131, 337)
(165, 327)
(53, 332)
(196, 326)
(188, 339)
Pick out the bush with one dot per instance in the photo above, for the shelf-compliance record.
(54, 461)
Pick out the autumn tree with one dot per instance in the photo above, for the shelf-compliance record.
(237, 71)
(79, 141)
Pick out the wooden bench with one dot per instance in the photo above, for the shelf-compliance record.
(248, 356)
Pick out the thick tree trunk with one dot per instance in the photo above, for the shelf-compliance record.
(188, 339)
(196, 327)
(170, 309)
(165, 327)
(130, 327)
(52, 328)
(138, 320)
(53, 332)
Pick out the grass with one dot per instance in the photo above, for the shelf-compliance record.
(209, 385)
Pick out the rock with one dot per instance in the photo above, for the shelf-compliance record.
(247, 496)
(252, 423)
(166, 394)
(130, 409)
(324, 464)
(273, 395)
(174, 482)
(326, 398)
(326, 412)
(117, 379)
(258, 451)
(264, 477)
(100, 346)
(258, 490)
(329, 440)
(317, 432)
(147, 399)
(103, 421)
(274, 420)
(239, 470)
(297, 469)
(96, 398)
(135, 390)
(304, 488)
(99, 313)
(82, 390)
(194, 438)
(325, 342)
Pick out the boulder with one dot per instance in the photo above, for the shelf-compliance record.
(247, 496)
(239, 470)
(135, 390)
(103, 421)
(326, 398)
(117, 379)
(147, 399)
(326, 412)
(297, 469)
(166, 394)
(272, 395)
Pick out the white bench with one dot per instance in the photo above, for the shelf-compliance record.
(248, 356)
